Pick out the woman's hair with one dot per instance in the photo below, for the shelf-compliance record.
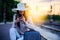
(18, 15)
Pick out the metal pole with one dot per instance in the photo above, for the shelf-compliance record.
(51, 16)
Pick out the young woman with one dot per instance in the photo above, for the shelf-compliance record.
(19, 25)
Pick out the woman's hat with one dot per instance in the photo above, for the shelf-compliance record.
(20, 6)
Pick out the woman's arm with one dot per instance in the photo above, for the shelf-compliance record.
(30, 23)
(14, 17)
(15, 20)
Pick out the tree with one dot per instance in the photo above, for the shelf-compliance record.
(1, 10)
(5, 7)
(9, 5)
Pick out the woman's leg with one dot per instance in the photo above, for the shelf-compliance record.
(12, 33)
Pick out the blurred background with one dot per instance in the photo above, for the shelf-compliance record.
(46, 11)
(6, 14)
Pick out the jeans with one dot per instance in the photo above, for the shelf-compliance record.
(14, 35)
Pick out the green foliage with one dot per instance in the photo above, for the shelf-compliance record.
(55, 17)
(7, 5)
(1, 16)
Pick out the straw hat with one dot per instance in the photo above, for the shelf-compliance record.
(20, 6)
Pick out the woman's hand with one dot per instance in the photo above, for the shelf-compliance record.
(21, 38)
(17, 20)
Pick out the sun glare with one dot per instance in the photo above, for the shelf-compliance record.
(39, 10)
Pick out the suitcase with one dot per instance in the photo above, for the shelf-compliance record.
(32, 35)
